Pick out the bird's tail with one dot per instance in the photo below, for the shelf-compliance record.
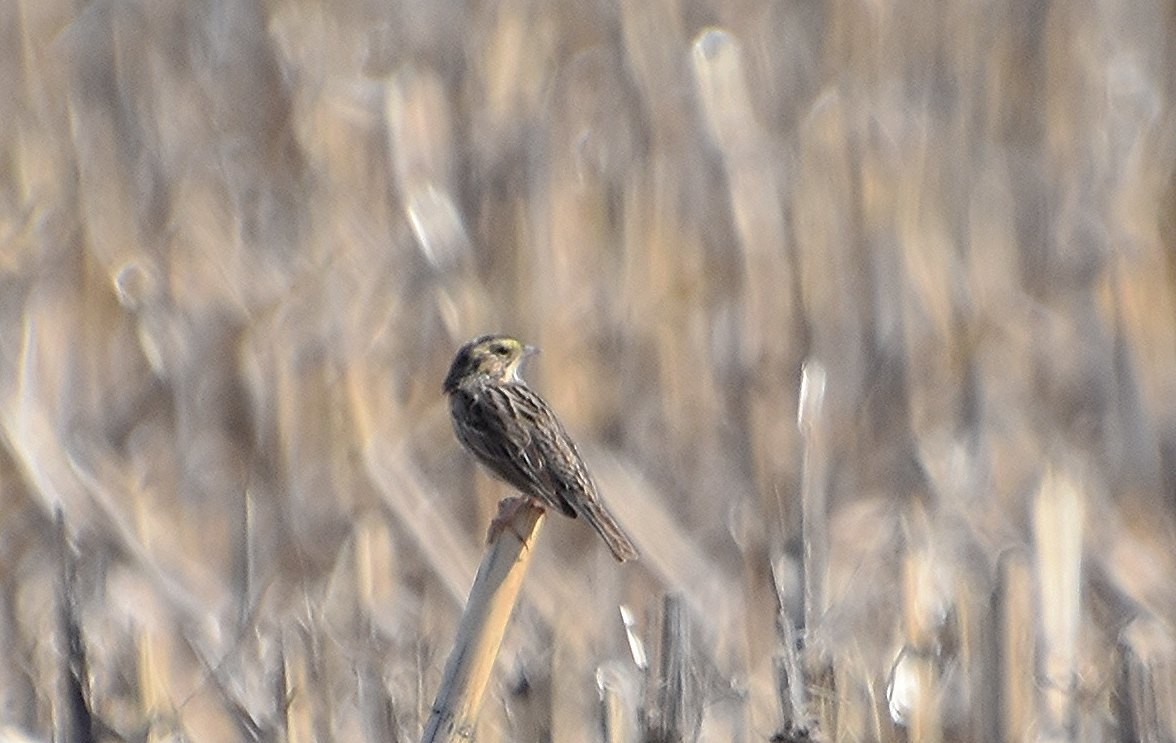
(614, 536)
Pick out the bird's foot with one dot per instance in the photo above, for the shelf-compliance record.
(508, 510)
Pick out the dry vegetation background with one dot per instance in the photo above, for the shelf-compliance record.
(240, 241)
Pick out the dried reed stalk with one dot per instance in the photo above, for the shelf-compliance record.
(1059, 512)
(675, 705)
(813, 420)
(619, 692)
(791, 694)
(1143, 702)
(1015, 647)
(924, 723)
(73, 721)
(480, 632)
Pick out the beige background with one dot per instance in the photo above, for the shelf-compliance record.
(240, 241)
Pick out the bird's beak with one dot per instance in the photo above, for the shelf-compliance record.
(529, 351)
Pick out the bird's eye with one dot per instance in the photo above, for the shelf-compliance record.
(500, 350)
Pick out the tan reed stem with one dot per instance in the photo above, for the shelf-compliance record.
(482, 626)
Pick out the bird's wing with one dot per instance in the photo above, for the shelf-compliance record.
(564, 469)
(517, 435)
(573, 485)
(504, 428)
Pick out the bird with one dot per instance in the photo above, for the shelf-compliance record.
(511, 430)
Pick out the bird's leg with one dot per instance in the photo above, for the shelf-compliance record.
(508, 509)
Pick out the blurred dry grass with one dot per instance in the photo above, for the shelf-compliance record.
(239, 242)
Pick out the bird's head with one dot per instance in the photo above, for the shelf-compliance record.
(497, 357)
